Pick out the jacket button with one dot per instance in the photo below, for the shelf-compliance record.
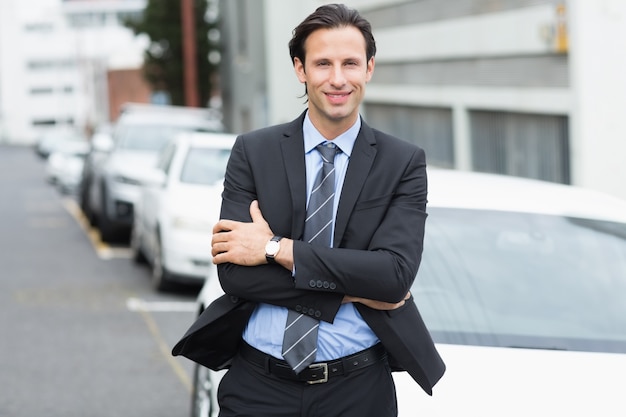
(312, 283)
(333, 286)
(311, 312)
(326, 284)
(318, 314)
(234, 299)
(298, 308)
(319, 283)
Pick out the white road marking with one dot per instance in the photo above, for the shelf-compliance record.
(103, 250)
(137, 304)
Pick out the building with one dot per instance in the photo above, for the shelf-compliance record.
(54, 59)
(531, 88)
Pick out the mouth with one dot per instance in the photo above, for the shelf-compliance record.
(337, 98)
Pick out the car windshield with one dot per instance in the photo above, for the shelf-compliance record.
(149, 137)
(204, 166)
(523, 280)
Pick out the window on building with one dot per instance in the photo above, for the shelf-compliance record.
(428, 127)
(41, 90)
(41, 27)
(524, 145)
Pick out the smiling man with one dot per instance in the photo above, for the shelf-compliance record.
(319, 242)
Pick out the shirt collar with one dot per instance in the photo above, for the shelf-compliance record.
(345, 141)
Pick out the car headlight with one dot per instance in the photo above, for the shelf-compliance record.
(193, 224)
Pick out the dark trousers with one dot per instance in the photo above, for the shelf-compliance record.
(247, 390)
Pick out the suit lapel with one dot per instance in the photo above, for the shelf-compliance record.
(292, 145)
(361, 161)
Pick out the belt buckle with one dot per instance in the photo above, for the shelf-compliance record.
(319, 366)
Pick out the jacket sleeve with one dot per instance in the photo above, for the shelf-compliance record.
(380, 252)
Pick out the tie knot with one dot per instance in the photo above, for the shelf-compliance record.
(328, 150)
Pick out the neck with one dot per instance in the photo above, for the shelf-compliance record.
(330, 129)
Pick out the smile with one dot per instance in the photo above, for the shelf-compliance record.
(337, 95)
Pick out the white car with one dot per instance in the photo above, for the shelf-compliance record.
(140, 133)
(178, 205)
(523, 287)
(64, 166)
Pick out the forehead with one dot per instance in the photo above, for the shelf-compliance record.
(330, 42)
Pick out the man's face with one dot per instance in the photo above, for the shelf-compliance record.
(335, 72)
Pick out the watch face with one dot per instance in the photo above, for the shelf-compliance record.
(272, 247)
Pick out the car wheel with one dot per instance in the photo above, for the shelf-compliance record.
(160, 275)
(137, 254)
(201, 405)
(84, 202)
(105, 225)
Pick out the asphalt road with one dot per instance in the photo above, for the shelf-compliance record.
(82, 333)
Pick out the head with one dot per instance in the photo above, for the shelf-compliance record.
(330, 16)
(333, 55)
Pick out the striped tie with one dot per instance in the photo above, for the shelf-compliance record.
(300, 340)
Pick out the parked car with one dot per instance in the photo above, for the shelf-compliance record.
(56, 138)
(177, 207)
(139, 134)
(64, 166)
(100, 144)
(522, 285)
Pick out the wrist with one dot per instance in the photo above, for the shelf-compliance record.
(272, 247)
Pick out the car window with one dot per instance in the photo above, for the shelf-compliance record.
(527, 280)
(204, 165)
(165, 157)
(147, 137)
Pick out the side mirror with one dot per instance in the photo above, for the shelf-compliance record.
(102, 142)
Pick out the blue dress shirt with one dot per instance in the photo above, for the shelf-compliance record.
(349, 333)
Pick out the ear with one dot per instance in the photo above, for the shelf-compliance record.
(370, 70)
(298, 66)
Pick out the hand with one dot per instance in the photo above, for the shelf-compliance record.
(375, 304)
(241, 243)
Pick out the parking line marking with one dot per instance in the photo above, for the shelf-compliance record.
(103, 250)
(137, 304)
(178, 369)
(142, 307)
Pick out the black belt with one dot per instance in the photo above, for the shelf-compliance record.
(318, 372)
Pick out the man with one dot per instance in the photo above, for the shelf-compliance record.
(349, 289)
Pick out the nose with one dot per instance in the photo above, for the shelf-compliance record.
(337, 77)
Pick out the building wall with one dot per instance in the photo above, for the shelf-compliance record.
(126, 86)
(598, 72)
(53, 65)
(532, 88)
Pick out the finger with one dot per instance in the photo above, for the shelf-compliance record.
(223, 226)
(218, 259)
(255, 212)
(219, 237)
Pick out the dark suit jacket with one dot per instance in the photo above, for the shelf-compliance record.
(377, 250)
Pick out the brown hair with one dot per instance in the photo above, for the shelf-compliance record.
(330, 16)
